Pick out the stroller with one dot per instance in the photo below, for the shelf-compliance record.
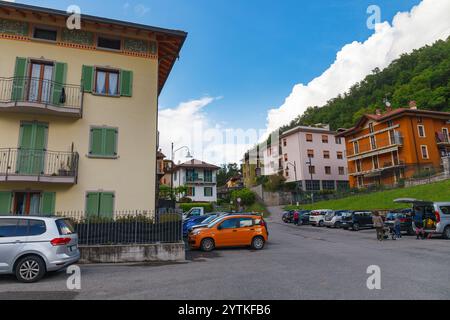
(389, 231)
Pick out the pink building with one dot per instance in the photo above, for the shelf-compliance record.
(328, 167)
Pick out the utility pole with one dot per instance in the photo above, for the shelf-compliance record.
(309, 163)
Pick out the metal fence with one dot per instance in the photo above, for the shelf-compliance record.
(126, 227)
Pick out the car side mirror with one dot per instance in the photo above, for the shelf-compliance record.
(219, 228)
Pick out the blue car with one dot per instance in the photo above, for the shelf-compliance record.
(189, 223)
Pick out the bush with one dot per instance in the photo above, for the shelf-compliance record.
(185, 200)
(208, 207)
(246, 195)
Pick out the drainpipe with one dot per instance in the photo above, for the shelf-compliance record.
(415, 144)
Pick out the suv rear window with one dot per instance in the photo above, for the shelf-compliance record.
(36, 227)
(65, 227)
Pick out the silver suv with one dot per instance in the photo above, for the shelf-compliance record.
(334, 219)
(438, 213)
(32, 246)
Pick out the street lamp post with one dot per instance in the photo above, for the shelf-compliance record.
(188, 155)
(309, 163)
(295, 176)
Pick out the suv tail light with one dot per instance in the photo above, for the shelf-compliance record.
(60, 241)
(262, 223)
(438, 216)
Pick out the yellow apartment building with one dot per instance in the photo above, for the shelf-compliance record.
(78, 111)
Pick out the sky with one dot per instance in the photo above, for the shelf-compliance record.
(253, 65)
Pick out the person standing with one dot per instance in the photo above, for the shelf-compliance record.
(296, 217)
(378, 223)
(397, 227)
(418, 223)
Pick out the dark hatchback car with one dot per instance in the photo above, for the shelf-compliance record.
(304, 217)
(288, 216)
(406, 220)
(357, 220)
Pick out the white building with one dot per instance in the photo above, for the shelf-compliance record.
(328, 167)
(200, 178)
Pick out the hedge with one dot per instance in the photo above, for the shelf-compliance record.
(188, 206)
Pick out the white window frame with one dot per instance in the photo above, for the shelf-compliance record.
(423, 129)
(421, 152)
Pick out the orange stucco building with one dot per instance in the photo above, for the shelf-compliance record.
(384, 148)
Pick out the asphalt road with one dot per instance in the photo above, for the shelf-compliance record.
(298, 263)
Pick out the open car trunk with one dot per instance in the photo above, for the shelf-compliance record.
(423, 209)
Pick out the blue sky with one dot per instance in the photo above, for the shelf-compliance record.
(248, 52)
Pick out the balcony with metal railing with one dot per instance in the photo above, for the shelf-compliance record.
(199, 180)
(442, 139)
(38, 96)
(367, 148)
(27, 165)
(378, 169)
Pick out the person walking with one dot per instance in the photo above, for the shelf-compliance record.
(418, 223)
(296, 217)
(378, 223)
(397, 227)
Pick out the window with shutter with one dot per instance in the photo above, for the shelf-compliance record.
(103, 143)
(100, 204)
(87, 78)
(5, 203)
(48, 200)
(20, 73)
(60, 73)
(126, 83)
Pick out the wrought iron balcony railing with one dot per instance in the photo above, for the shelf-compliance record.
(38, 166)
(442, 138)
(38, 95)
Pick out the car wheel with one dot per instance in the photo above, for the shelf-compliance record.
(321, 223)
(258, 243)
(30, 269)
(337, 225)
(207, 245)
(355, 227)
(447, 233)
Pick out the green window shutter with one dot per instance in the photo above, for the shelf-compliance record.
(20, 73)
(110, 142)
(38, 152)
(87, 78)
(5, 203)
(24, 155)
(106, 205)
(48, 200)
(92, 204)
(126, 83)
(60, 74)
(96, 145)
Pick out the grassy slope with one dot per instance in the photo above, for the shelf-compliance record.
(384, 200)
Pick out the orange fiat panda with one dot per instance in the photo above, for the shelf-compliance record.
(231, 231)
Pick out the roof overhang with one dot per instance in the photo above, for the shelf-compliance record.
(169, 41)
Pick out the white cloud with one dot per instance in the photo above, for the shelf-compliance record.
(140, 10)
(425, 24)
(189, 125)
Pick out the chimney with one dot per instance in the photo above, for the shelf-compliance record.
(413, 105)
(378, 112)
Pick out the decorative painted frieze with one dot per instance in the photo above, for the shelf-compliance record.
(13, 27)
(81, 37)
(140, 46)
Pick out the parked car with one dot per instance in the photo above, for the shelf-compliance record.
(317, 217)
(304, 217)
(231, 231)
(437, 212)
(194, 212)
(192, 221)
(334, 219)
(288, 216)
(207, 221)
(32, 246)
(357, 220)
(405, 217)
